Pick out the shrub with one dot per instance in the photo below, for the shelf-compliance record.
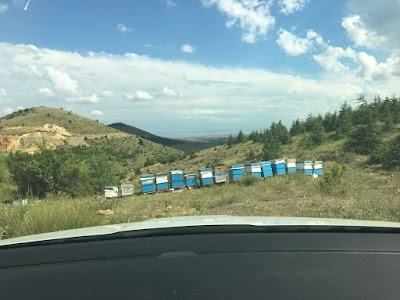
(333, 181)
(248, 180)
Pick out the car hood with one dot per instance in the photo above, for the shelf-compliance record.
(196, 221)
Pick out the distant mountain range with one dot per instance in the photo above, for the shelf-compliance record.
(184, 145)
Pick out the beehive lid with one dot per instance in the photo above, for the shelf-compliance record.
(237, 167)
(176, 172)
(147, 177)
(190, 174)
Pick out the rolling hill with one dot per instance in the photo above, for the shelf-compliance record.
(184, 145)
(37, 128)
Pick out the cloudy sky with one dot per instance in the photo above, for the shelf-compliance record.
(197, 66)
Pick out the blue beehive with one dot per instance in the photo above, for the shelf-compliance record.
(290, 166)
(305, 167)
(176, 178)
(206, 176)
(161, 181)
(266, 169)
(191, 179)
(254, 169)
(236, 173)
(317, 167)
(147, 182)
(279, 167)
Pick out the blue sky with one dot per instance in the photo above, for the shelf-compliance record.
(196, 66)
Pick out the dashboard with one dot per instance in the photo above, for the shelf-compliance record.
(234, 264)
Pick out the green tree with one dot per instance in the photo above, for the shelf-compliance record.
(366, 137)
(101, 171)
(271, 149)
(317, 135)
(297, 128)
(329, 121)
(251, 156)
(392, 157)
(75, 180)
(255, 136)
(344, 120)
(388, 124)
(230, 141)
(240, 137)
(280, 133)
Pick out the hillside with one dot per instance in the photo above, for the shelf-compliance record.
(184, 145)
(39, 128)
(360, 149)
(43, 127)
(251, 151)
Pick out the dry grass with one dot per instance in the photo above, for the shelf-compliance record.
(366, 195)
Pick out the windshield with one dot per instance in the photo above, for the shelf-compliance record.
(122, 111)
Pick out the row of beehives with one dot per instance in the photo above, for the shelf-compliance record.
(177, 179)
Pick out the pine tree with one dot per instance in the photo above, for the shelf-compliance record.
(254, 136)
(240, 137)
(317, 135)
(271, 149)
(230, 141)
(329, 121)
(297, 128)
(344, 122)
(280, 133)
(392, 158)
(388, 124)
(366, 137)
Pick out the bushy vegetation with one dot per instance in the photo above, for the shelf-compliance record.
(334, 180)
(60, 171)
(371, 128)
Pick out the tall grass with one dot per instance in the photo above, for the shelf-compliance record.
(368, 196)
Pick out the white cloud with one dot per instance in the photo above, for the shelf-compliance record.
(168, 92)
(367, 64)
(290, 6)
(62, 80)
(7, 110)
(186, 48)
(46, 92)
(3, 92)
(3, 8)
(330, 58)
(123, 28)
(108, 94)
(292, 44)
(83, 99)
(140, 95)
(360, 35)
(370, 69)
(373, 24)
(170, 3)
(97, 113)
(252, 16)
(250, 95)
(20, 107)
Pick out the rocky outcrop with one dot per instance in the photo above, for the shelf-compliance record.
(10, 143)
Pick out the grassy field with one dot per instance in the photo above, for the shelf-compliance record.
(364, 195)
(38, 116)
